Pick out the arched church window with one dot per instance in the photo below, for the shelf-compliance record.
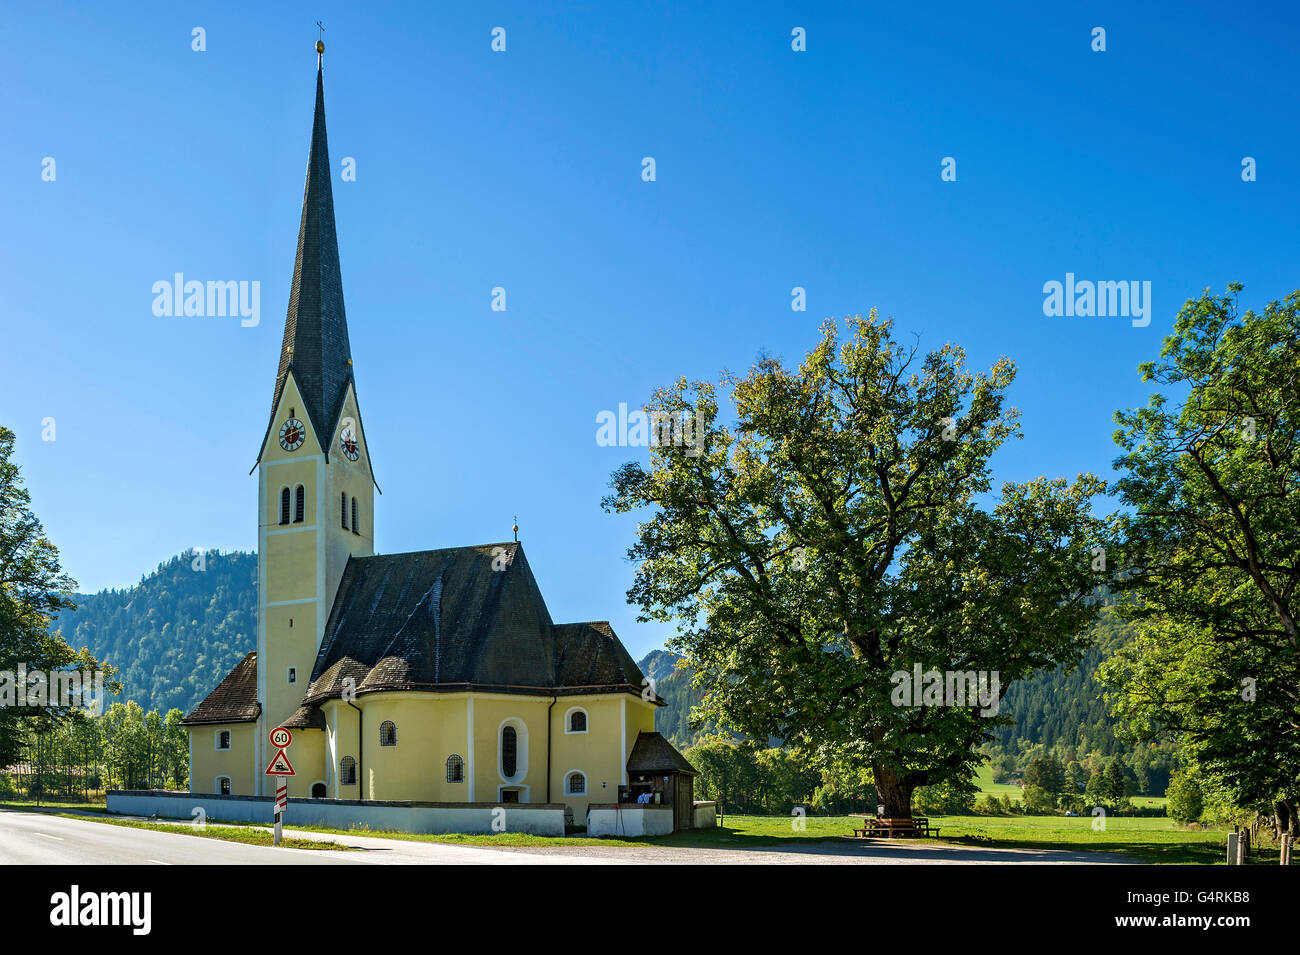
(578, 721)
(575, 784)
(455, 769)
(347, 771)
(387, 733)
(509, 751)
(299, 504)
(343, 510)
(355, 525)
(284, 505)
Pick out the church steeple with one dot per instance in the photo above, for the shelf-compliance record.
(315, 346)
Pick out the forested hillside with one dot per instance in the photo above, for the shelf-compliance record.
(1067, 709)
(174, 635)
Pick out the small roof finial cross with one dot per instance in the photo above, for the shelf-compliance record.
(320, 42)
(516, 528)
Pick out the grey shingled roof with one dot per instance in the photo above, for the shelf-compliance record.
(315, 345)
(459, 618)
(651, 753)
(235, 698)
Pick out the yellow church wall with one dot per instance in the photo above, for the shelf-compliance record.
(594, 753)
(207, 762)
(307, 754)
(344, 476)
(428, 727)
(431, 727)
(341, 720)
(490, 714)
(289, 555)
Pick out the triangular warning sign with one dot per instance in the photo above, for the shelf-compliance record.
(280, 765)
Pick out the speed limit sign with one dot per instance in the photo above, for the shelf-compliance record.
(281, 737)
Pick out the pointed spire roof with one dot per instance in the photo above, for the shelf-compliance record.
(315, 345)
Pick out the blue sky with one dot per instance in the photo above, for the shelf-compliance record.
(522, 169)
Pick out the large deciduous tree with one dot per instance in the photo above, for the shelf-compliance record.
(1212, 475)
(833, 538)
(33, 589)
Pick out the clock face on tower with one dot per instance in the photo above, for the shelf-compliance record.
(348, 441)
(292, 434)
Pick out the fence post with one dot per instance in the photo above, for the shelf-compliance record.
(1233, 844)
(1284, 857)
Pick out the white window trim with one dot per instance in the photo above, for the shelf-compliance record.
(318, 782)
(586, 790)
(523, 791)
(216, 785)
(290, 676)
(216, 741)
(568, 715)
(279, 504)
(521, 752)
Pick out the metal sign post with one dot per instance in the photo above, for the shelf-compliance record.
(280, 768)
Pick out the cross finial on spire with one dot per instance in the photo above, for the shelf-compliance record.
(516, 528)
(320, 43)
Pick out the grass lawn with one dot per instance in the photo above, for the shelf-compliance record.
(984, 780)
(243, 834)
(1146, 839)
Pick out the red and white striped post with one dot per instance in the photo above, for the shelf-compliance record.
(281, 804)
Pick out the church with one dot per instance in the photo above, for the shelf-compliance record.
(435, 677)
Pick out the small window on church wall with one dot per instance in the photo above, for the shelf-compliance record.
(354, 517)
(578, 721)
(575, 784)
(509, 751)
(284, 506)
(347, 771)
(223, 739)
(299, 504)
(343, 511)
(293, 674)
(455, 769)
(387, 733)
(223, 785)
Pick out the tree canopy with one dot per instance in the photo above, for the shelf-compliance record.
(834, 538)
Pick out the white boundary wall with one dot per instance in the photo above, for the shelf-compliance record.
(537, 819)
(706, 815)
(629, 819)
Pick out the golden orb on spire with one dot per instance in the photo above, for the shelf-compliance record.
(320, 47)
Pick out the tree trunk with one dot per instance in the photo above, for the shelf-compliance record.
(1285, 823)
(893, 793)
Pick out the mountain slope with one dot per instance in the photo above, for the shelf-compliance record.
(174, 635)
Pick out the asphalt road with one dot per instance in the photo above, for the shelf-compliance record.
(35, 838)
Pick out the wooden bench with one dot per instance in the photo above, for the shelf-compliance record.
(890, 827)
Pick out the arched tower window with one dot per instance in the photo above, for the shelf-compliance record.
(347, 771)
(299, 504)
(455, 769)
(509, 751)
(284, 505)
(387, 733)
(343, 510)
(355, 525)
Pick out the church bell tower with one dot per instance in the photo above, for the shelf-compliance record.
(315, 504)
